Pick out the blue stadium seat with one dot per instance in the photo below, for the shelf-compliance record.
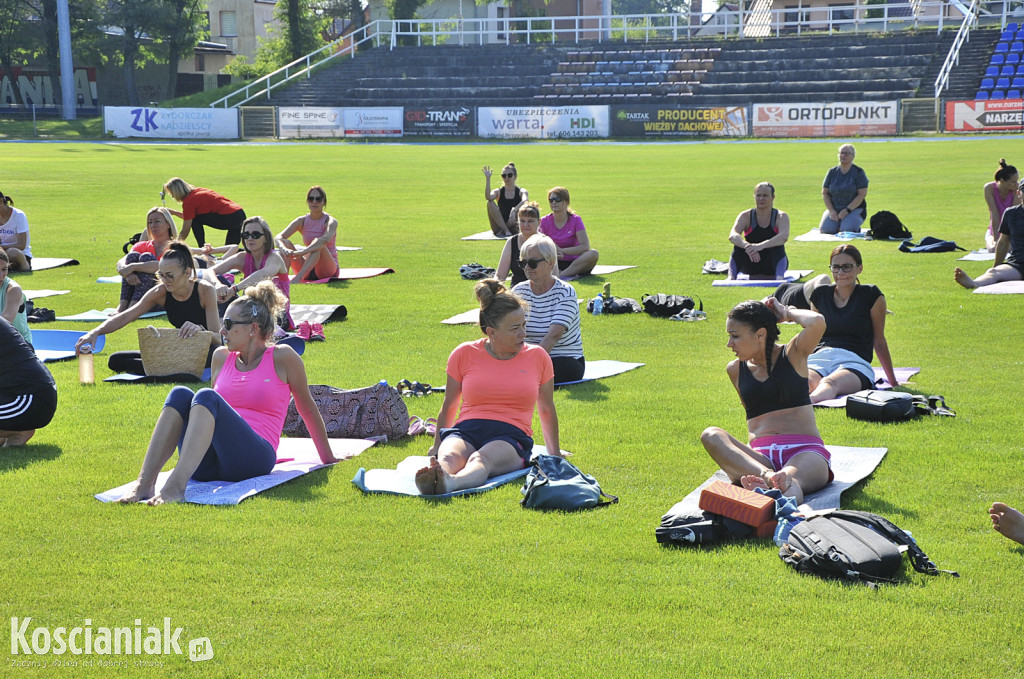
(997, 60)
(1002, 48)
(1019, 35)
(988, 83)
(1020, 70)
(992, 72)
(998, 94)
(1007, 35)
(1017, 47)
(1013, 94)
(1012, 26)
(1007, 71)
(1018, 83)
(981, 95)
(1013, 58)
(1003, 84)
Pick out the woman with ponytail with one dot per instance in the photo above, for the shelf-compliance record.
(139, 266)
(231, 432)
(494, 384)
(1000, 195)
(785, 450)
(190, 303)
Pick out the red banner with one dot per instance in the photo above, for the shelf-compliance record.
(980, 116)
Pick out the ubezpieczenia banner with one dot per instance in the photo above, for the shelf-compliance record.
(543, 122)
(171, 123)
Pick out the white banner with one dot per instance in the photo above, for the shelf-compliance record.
(839, 119)
(543, 122)
(171, 123)
(373, 122)
(310, 122)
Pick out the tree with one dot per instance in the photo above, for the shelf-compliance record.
(138, 20)
(14, 45)
(281, 45)
(185, 26)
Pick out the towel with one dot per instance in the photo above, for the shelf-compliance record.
(746, 282)
(402, 480)
(978, 256)
(816, 235)
(95, 316)
(903, 376)
(1004, 288)
(37, 294)
(295, 457)
(41, 263)
(57, 345)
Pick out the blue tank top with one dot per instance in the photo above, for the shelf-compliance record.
(783, 389)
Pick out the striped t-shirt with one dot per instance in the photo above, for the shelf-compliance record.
(557, 305)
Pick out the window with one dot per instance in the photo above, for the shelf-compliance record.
(200, 63)
(840, 14)
(228, 24)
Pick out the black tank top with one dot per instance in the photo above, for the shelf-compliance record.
(189, 310)
(505, 205)
(518, 274)
(783, 389)
(758, 234)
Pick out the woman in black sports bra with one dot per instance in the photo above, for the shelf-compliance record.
(504, 202)
(785, 449)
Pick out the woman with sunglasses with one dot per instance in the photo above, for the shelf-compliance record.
(503, 203)
(138, 268)
(855, 318)
(565, 228)
(553, 319)
(258, 261)
(201, 208)
(484, 428)
(231, 432)
(190, 303)
(14, 236)
(319, 254)
(529, 222)
(758, 238)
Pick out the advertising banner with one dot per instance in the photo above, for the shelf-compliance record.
(666, 121)
(310, 122)
(373, 122)
(171, 123)
(838, 119)
(22, 88)
(439, 121)
(979, 116)
(543, 122)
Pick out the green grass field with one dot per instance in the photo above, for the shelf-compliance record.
(315, 579)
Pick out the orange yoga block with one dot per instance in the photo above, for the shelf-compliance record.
(737, 503)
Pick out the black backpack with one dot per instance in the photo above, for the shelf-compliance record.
(664, 306)
(930, 244)
(886, 225)
(131, 242)
(853, 546)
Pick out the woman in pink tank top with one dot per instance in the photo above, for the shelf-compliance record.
(258, 261)
(231, 432)
(318, 259)
(1000, 194)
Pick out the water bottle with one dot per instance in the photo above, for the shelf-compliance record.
(597, 307)
(86, 375)
(383, 383)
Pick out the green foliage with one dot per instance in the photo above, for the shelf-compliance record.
(315, 579)
(276, 49)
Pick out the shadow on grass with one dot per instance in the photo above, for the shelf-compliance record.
(23, 456)
(299, 489)
(587, 391)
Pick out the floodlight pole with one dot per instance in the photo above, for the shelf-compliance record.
(67, 69)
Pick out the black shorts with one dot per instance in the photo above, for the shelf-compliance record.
(25, 412)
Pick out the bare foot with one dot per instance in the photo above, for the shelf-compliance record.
(168, 495)
(426, 478)
(1008, 521)
(963, 279)
(14, 439)
(751, 481)
(137, 493)
(778, 480)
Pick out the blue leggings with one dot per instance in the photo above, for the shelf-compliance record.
(236, 452)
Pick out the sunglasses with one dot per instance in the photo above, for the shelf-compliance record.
(314, 199)
(506, 176)
(228, 323)
(555, 199)
(168, 277)
(845, 268)
(532, 263)
(252, 235)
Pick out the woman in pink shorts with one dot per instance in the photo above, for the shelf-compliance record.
(785, 449)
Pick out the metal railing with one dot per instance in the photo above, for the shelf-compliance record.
(953, 58)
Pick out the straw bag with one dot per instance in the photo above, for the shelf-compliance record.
(164, 352)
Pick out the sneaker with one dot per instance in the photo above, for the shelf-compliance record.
(316, 333)
(304, 330)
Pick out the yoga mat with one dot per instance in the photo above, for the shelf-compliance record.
(318, 313)
(43, 263)
(402, 480)
(351, 274)
(978, 256)
(791, 275)
(94, 316)
(849, 464)
(295, 458)
(472, 317)
(295, 342)
(816, 235)
(37, 294)
(1004, 288)
(595, 370)
(903, 376)
(57, 345)
(345, 248)
(485, 235)
(110, 279)
(603, 270)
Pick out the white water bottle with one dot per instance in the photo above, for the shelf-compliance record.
(597, 307)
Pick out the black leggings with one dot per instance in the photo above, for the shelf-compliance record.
(568, 369)
(25, 412)
(232, 223)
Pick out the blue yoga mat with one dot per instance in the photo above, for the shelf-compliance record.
(57, 345)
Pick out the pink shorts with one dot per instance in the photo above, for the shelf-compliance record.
(781, 448)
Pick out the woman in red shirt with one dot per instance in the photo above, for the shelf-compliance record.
(201, 208)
